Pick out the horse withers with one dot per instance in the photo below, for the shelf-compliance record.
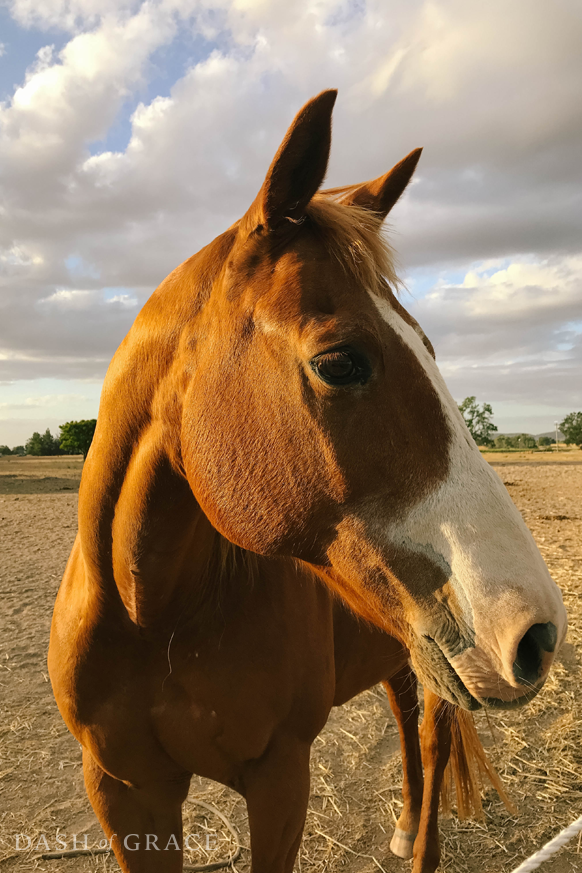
(281, 502)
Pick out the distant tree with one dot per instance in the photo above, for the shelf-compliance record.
(46, 444)
(18, 450)
(49, 444)
(519, 441)
(546, 441)
(479, 420)
(524, 441)
(76, 436)
(571, 427)
(33, 444)
(4, 450)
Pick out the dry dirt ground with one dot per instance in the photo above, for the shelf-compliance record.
(356, 771)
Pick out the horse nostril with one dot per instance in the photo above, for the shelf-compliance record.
(538, 639)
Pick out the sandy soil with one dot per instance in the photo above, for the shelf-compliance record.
(355, 770)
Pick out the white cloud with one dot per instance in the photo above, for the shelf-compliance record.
(512, 333)
(491, 91)
(17, 256)
(526, 290)
(66, 299)
(68, 102)
(45, 401)
(523, 292)
(67, 14)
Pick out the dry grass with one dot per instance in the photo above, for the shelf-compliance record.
(356, 772)
(44, 475)
(563, 454)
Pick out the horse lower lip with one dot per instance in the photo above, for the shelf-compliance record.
(458, 693)
(496, 703)
(436, 672)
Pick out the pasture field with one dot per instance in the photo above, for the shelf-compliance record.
(356, 771)
(562, 455)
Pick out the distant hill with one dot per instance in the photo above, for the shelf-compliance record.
(547, 433)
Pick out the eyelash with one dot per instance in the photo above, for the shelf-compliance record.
(360, 368)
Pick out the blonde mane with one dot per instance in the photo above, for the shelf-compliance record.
(354, 236)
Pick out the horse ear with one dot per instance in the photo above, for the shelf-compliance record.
(298, 168)
(381, 194)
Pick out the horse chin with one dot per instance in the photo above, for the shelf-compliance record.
(435, 671)
(517, 703)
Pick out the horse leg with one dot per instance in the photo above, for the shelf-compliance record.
(276, 789)
(143, 825)
(402, 694)
(435, 734)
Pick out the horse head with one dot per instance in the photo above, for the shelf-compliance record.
(314, 424)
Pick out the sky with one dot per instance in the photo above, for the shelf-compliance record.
(132, 133)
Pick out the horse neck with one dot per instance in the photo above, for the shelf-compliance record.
(142, 532)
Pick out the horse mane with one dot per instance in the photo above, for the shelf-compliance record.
(354, 237)
(226, 566)
(229, 559)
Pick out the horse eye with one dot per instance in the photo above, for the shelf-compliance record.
(338, 368)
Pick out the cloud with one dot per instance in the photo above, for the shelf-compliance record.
(44, 401)
(65, 299)
(490, 90)
(70, 332)
(69, 15)
(510, 333)
(67, 102)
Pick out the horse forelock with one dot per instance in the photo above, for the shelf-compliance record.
(355, 237)
(351, 235)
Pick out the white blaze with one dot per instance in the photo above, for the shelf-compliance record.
(500, 580)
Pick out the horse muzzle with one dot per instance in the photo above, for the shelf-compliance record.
(470, 680)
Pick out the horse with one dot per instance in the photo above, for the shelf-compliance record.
(281, 507)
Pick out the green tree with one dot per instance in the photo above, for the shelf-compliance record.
(479, 420)
(546, 441)
(571, 427)
(18, 450)
(525, 441)
(4, 450)
(45, 444)
(76, 436)
(33, 444)
(49, 444)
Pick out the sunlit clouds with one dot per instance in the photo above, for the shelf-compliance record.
(140, 130)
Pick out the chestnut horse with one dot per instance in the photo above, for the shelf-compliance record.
(281, 503)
